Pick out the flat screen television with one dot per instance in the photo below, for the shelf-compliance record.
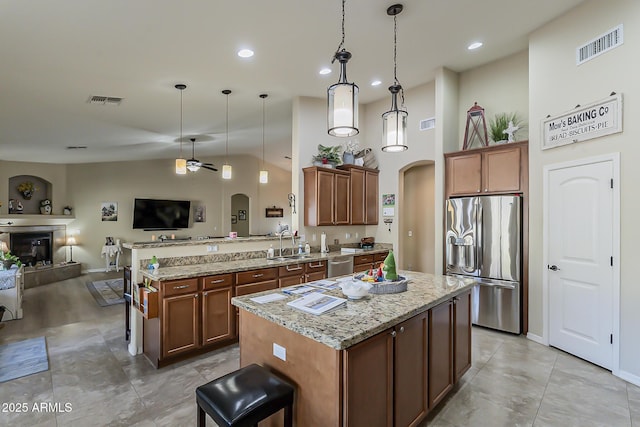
(154, 214)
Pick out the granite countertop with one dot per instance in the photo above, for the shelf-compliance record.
(193, 242)
(207, 269)
(358, 320)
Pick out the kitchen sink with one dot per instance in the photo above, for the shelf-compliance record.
(289, 257)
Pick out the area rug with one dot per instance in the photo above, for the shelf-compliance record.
(22, 358)
(107, 292)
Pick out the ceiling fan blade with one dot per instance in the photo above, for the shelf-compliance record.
(208, 164)
(210, 168)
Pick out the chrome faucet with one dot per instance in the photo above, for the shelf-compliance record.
(293, 241)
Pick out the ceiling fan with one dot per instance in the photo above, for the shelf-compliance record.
(194, 164)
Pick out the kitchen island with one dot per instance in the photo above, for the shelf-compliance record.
(382, 360)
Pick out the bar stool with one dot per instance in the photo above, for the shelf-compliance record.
(244, 397)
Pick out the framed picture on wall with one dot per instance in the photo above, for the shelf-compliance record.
(199, 214)
(242, 215)
(274, 212)
(234, 219)
(109, 211)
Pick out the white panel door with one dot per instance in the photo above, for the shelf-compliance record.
(580, 247)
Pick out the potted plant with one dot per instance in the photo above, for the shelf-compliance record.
(499, 123)
(27, 189)
(350, 150)
(8, 259)
(327, 156)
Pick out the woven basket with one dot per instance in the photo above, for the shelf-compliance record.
(388, 287)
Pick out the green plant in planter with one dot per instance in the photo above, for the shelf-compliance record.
(329, 155)
(500, 122)
(8, 259)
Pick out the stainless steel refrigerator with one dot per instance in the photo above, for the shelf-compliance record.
(483, 242)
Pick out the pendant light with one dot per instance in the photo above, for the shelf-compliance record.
(394, 121)
(264, 173)
(226, 168)
(342, 112)
(181, 163)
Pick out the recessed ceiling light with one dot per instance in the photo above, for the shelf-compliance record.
(325, 71)
(376, 83)
(474, 45)
(245, 53)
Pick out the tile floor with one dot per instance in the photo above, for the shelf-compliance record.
(513, 381)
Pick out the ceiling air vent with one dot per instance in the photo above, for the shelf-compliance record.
(104, 100)
(599, 45)
(427, 124)
(76, 147)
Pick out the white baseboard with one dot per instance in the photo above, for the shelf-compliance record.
(93, 270)
(536, 338)
(629, 377)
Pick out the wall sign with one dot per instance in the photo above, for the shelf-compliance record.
(584, 123)
(388, 204)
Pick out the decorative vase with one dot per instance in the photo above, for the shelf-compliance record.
(348, 158)
(27, 194)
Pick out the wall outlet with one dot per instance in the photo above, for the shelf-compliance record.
(212, 248)
(215, 228)
(347, 235)
(313, 237)
(303, 238)
(357, 235)
(336, 241)
(410, 233)
(280, 352)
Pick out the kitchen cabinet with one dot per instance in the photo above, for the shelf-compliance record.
(386, 376)
(295, 274)
(264, 279)
(326, 196)
(218, 315)
(363, 263)
(462, 335)
(492, 170)
(180, 317)
(364, 194)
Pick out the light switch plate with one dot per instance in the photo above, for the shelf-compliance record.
(212, 248)
(280, 352)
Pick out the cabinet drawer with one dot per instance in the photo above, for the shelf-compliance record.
(315, 266)
(291, 270)
(178, 287)
(362, 268)
(291, 280)
(253, 276)
(380, 256)
(256, 287)
(362, 259)
(217, 281)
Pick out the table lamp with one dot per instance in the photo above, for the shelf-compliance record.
(3, 247)
(71, 241)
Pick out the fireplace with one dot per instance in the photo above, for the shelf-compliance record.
(33, 248)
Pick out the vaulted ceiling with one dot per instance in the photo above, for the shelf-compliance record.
(56, 54)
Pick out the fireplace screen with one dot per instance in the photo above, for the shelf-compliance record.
(32, 248)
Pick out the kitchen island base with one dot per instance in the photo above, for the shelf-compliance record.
(383, 380)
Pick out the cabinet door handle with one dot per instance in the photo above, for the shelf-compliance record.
(181, 287)
(213, 282)
(393, 333)
(205, 294)
(258, 275)
(195, 296)
(294, 269)
(401, 329)
(311, 265)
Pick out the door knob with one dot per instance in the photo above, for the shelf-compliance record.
(553, 267)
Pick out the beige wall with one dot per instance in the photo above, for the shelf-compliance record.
(91, 184)
(417, 231)
(501, 86)
(556, 86)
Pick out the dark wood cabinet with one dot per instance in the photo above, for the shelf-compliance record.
(218, 315)
(326, 196)
(362, 263)
(180, 324)
(491, 170)
(386, 376)
(440, 352)
(364, 194)
(368, 379)
(462, 335)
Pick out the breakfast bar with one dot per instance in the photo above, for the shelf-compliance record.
(380, 360)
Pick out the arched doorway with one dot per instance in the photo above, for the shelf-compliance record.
(240, 214)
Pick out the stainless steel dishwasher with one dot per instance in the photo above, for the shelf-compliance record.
(340, 266)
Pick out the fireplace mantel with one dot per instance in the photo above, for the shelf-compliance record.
(21, 220)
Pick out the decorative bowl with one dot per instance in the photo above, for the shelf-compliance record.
(355, 289)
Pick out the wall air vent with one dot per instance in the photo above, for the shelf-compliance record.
(607, 41)
(427, 124)
(104, 100)
(76, 147)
